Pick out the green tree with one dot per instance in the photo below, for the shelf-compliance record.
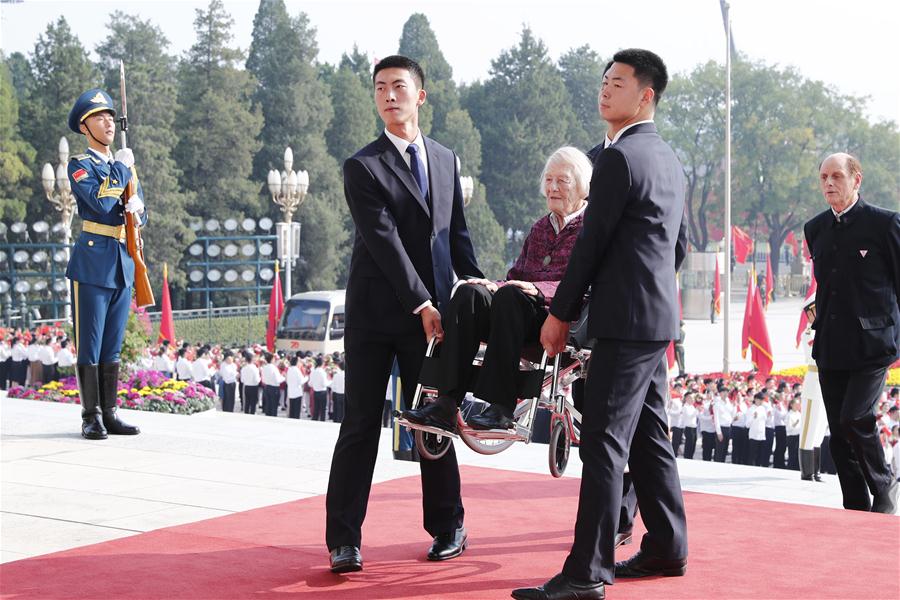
(691, 117)
(354, 120)
(582, 72)
(60, 71)
(219, 130)
(152, 105)
(462, 136)
(16, 155)
(523, 113)
(297, 108)
(488, 237)
(775, 150)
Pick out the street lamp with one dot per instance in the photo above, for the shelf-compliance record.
(288, 190)
(63, 201)
(468, 188)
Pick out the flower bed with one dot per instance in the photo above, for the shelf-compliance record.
(144, 390)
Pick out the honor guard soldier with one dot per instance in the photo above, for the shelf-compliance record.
(100, 270)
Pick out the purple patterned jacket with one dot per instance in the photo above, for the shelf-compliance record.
(543, 242)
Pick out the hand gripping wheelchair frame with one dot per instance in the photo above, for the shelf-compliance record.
(541, 383)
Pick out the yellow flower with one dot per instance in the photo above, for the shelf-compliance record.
(894, 377)
(792, 371)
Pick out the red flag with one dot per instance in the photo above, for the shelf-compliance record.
(670, 355)
(770, 281)
(167, 324)
(791, 240)
(743, 244)
(755, 333)
(803, 320)
(717, 290)
(806, 254)
(276, 307)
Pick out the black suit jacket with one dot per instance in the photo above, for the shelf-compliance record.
(632, 243)
(406, 247)
(857, 268)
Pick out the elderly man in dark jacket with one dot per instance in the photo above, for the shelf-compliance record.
(855, 250)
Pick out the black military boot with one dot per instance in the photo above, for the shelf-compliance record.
(89, 389)
(806, 465)
(109, 389)
(817, 459)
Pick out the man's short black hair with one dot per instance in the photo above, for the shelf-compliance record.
(649, 69)
(398, 61)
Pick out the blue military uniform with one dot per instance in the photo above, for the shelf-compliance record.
(101, 273)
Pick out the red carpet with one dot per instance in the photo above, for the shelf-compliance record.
(520, 528)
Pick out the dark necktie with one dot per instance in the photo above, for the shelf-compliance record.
(418, 170)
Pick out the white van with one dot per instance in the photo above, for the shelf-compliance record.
(312, 321)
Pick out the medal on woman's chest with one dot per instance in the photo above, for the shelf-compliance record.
(547, 260)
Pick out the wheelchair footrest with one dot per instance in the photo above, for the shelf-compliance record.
(518, 435)
(427, 429)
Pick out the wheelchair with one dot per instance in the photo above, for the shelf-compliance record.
(541, 383)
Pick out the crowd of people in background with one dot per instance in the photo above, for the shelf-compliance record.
(754, 421)
(36, 356)
(253, 380)
(738, 418)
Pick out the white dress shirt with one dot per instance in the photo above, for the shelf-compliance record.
(271, 375)
(200, 370)
(228, 372)
(19, 352)
(756, 423)
(65, 358)
(163, 364)
(295, 381)
(250, 374)
(183, 368)
(318, 379)
(46, 355)
(689, 414)
(337, 382)
(793, 422)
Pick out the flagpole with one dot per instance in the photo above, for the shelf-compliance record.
(726, 366)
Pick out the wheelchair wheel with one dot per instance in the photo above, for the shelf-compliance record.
(559, 448)
(431, 445)
(486, 446)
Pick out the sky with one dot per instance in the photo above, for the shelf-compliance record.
(853, 46)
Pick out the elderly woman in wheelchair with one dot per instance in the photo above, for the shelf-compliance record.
(508, 315)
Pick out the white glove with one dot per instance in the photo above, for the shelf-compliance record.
(135, 206)
(125, 156)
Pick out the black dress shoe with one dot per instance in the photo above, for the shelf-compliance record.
(644, 565)
(448, 545)
(623, 538)
(493, 417)
(441, 414)
(346, 559)
(563, 588)
(886, 502)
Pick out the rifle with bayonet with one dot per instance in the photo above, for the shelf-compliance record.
(143, 293)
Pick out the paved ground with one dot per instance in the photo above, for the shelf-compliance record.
(60, 491)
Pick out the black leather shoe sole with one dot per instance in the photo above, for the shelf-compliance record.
(349, 566)
(478, 422)
(91, 435)
(673, 571)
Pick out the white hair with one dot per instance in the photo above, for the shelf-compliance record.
(576, 160)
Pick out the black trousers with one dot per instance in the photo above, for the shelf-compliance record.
(294, 406)
(722, 445)
(677, 436)
(271, 395)
(827, 462)
(625, 421)
(756, 451)
(770, 444)
(793, 451)
(320, 405)
(780, 447)
(228, 396)
(709, 444)
(690, 441)
(369, 358)
(739, 442)
(629, 508)
(850, 398)
(5, 366)
(505, 320)
(251, 397)
(337, 404)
